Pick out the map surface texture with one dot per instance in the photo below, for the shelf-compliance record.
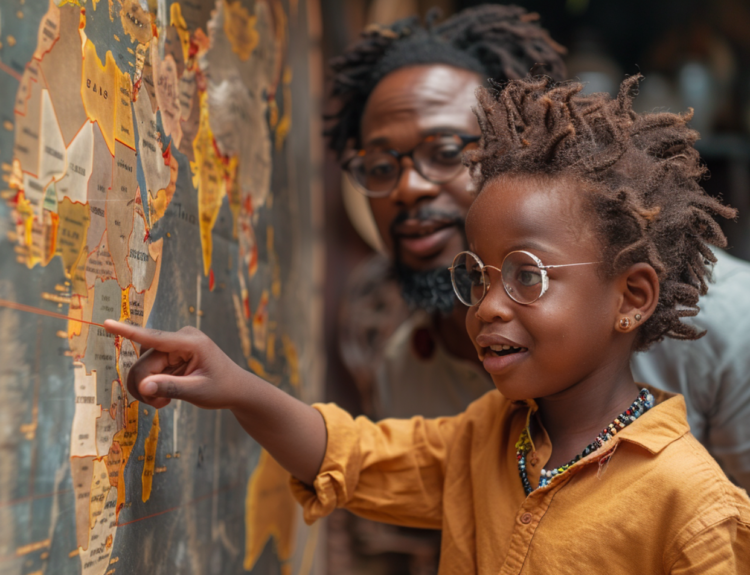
(155, 170)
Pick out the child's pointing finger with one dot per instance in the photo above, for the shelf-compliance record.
(150, 338)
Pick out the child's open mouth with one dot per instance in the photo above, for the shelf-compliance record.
(501, 350)
(496, 358)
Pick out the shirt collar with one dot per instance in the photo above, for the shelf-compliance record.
(660, 425)
(654, 430)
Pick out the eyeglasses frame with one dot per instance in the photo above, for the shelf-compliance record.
(486, 284)
(465, 141)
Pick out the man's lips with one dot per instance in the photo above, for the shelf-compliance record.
(424, 238)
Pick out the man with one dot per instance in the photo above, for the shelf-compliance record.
(406, 94)
(411, 89)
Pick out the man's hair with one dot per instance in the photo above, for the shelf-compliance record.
(498, 42)
(641, 173)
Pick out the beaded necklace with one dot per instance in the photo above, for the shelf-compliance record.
(641, 405)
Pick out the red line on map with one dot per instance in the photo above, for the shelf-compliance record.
(188, 504)
(13, 502)
(39, 311)
(8, 70)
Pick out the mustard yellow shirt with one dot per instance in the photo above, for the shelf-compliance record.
(651, 500)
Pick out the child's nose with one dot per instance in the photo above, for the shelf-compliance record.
(495, 306)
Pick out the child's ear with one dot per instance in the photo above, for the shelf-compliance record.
(639, 295)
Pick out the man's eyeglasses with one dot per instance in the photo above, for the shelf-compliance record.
(523, 275)
(437, 159)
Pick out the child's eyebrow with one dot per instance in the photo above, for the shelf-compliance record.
(529, 245)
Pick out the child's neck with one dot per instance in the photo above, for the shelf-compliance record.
(574, 417)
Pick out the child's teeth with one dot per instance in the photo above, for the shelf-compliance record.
(502, 347)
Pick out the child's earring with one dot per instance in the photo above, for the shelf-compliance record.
(638, 317)
(624, 323)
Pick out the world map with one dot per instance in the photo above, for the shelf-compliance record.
(155, 170)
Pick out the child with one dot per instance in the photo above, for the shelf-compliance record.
(588, 241)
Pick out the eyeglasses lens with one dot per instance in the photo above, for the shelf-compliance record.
(376, 172)
(468, 279)
(522, 278)
(437, 159)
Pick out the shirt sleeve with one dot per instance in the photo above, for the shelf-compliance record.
(722, 549)
(391, 471)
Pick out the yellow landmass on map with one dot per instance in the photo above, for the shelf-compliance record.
(125, 305)
(99, 92)
(208, 178)
(260, 322)
(149, 448)
(74, 221)
(126, 439)
(124, 130)
(136, 21)
(99, 488)
(273, 261)
(176, 20)
(292, 360)
(285, 124)
(41, 238)
(158, 205)
(270, 511)
(239, 26)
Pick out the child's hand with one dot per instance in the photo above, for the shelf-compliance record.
(184, 365)
(187, 365)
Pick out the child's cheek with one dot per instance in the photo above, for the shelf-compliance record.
(473, 326)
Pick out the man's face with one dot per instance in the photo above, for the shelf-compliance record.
(421, 223)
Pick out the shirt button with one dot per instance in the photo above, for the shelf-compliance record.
(526, 518)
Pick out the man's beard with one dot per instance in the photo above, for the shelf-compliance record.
(429, 290)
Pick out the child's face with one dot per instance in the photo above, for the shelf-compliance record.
(568, 334)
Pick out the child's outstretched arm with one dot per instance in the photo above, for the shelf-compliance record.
(187, 365)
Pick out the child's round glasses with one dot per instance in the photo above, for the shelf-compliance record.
(523, 275)
(437, 159)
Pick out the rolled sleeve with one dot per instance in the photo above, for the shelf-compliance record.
(391, 471)
(338, 473)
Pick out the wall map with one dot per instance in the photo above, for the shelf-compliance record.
(155, 170)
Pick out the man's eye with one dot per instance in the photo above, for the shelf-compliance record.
(380, 170)
(447, 154)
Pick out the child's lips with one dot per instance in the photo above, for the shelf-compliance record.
(495, 364)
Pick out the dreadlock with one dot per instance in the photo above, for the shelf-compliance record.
(643, 173)
(499, 42)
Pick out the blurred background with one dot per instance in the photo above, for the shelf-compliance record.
(693, 53)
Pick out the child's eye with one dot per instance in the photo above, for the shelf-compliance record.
(528, 277)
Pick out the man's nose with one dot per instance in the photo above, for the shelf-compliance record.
(412, 187)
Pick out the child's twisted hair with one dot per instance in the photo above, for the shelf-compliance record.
(643, 173)
(500, 42)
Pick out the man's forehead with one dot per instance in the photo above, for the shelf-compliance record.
(422, 97)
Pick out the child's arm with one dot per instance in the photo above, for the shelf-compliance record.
(187, 365)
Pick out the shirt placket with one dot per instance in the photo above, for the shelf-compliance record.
(527, 521)
(537, 503)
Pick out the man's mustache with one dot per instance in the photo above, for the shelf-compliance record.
(425, 214)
